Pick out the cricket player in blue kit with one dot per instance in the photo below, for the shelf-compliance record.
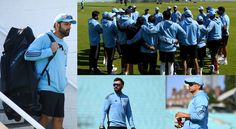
(197, 116)
(214, 37)
(176, 15)
(188, 47)
(117, 108)
(94, 38)
(149, 46)
(109, 39)
(169, 34)
(158, 15)
(134, 14)
(53, 82)
(225, 33)
(146, 15)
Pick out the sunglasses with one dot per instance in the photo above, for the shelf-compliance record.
(116, 84)
(191, 84)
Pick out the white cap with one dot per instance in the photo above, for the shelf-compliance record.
(200, 8)
(110, 14)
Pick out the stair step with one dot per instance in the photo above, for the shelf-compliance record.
(18, 125)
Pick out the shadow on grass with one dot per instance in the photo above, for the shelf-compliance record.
(83, 62)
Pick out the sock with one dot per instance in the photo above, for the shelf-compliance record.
(162, 68)
(190, 71)
(201, 69)
(171, 68)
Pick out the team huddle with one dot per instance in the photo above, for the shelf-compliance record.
(138, 38)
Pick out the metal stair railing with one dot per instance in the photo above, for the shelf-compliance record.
(21, 112)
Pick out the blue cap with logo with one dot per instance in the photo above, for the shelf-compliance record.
(195, 79)
(64, 17)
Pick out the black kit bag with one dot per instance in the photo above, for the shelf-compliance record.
(19, 80)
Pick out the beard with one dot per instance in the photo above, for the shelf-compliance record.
(64, 32)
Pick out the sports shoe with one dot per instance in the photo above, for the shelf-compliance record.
(211, 67)
(223, 61)
(114, 69)
(216, 72)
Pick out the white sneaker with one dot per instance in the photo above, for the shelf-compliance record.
(114, 68)
(225, 61)
(220, 58)
(216, 72)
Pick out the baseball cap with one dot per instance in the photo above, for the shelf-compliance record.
(188, 13)
(146, 9)
(200, 8)
(115, 10)
(156, 8)
(211, 13)
(64, 17)
(195, 79)
(110, 14)
(209, 8)
(185, 8)
(199, 18)
(168, 8)
(134, 6)
(105, 14)
(175, 6)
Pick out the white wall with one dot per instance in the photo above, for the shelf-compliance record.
(39, 15)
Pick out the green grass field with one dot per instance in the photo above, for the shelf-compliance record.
(83, 43)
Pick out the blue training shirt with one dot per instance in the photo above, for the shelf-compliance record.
(226, 22)
(94, 32)
(192, 30)
(168, 33)
(117, 106)
(109, 33)
(214, 30)
(198, 110)
(149, 34)
(39, 51)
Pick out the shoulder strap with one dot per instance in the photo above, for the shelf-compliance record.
(51, 57)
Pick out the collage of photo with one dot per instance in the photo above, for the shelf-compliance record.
(117, 64)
